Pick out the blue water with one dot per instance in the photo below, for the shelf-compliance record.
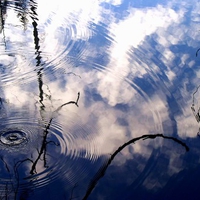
(99, 99)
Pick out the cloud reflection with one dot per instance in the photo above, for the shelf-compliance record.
(134, 77)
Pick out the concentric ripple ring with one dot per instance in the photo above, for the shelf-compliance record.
(13, 137)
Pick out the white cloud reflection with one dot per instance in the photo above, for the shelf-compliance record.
(111, 85)
(120, 112)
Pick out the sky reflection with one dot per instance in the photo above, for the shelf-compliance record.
(135, 67)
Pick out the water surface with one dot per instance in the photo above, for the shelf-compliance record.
(99, 99)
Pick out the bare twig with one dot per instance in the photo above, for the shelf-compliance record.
(197, 52)
(103, 169)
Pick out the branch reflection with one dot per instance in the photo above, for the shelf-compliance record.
(103, 169)
(195, 107)
(17, 172)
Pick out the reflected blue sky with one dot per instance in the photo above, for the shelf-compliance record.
(135, 67)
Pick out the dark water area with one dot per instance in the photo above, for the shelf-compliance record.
(99, 100)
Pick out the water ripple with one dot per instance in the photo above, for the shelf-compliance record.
(37, 152)
(34, 44)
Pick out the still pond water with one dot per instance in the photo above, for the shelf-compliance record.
(99, 99)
